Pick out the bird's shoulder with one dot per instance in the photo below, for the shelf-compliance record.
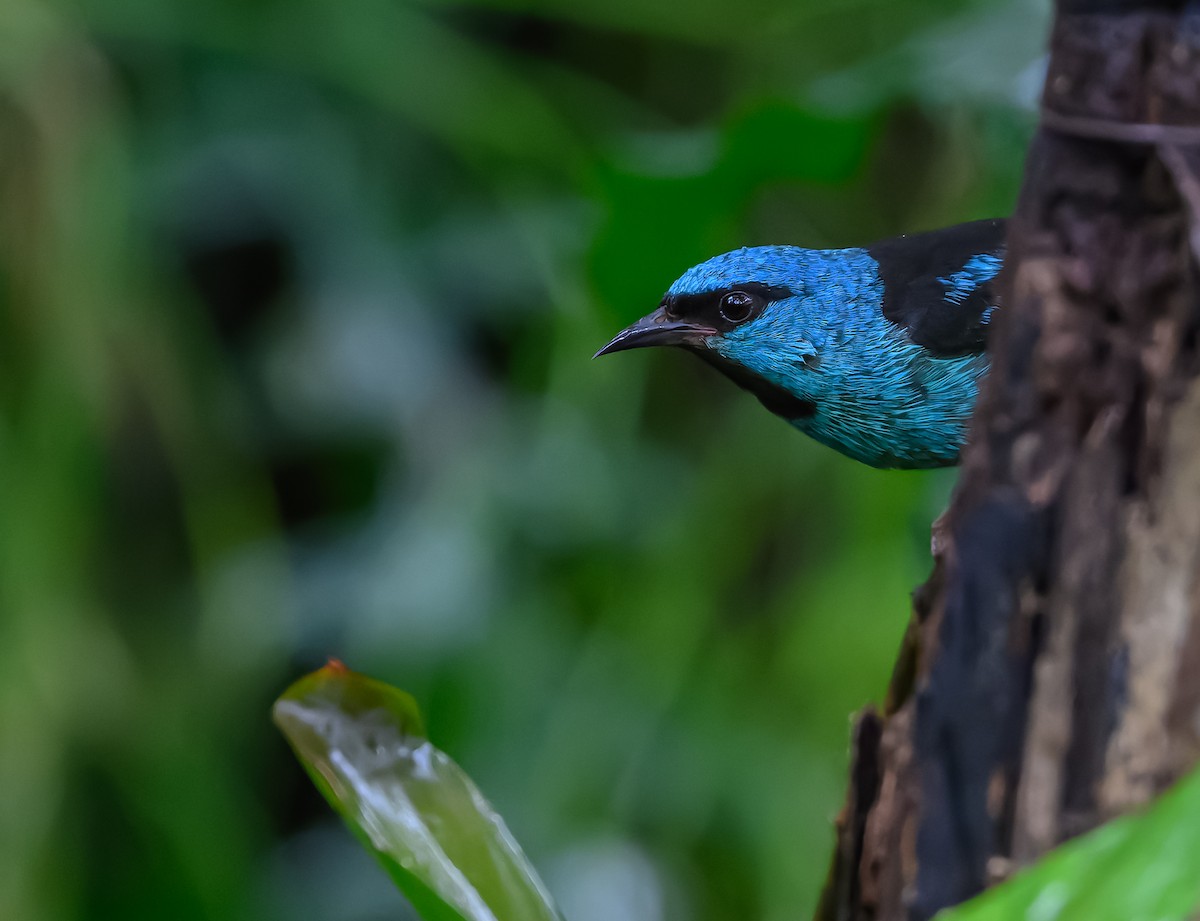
(940, 286)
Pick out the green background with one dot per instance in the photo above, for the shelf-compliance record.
(297, 304)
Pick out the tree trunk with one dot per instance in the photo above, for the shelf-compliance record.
(1051, 676)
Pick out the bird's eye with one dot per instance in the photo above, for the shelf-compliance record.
(736, 306)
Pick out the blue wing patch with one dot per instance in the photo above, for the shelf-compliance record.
(978, 270)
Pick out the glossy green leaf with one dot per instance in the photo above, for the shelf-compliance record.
(1138, 867)
(447, 849)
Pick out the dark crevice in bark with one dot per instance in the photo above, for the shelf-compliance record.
(970, 709)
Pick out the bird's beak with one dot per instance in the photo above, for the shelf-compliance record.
(656, 329)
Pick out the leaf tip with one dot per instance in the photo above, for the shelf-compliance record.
(336, 667)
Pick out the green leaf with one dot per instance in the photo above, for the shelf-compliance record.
(363, 744)
(1138, 867)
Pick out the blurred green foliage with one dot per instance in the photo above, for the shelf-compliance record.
(296, 304)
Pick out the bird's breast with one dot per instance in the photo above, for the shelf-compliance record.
(908, 411)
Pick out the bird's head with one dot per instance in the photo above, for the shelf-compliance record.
(745, 312)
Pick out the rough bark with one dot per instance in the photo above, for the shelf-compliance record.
(1051, 676)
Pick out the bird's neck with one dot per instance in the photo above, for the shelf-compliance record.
(779, 400)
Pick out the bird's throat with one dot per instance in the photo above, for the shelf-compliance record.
(781, 402)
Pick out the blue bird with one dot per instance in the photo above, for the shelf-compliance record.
(876, 352)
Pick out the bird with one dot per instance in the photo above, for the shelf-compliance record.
(877, 351)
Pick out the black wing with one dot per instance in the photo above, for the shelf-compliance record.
(940, 286)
